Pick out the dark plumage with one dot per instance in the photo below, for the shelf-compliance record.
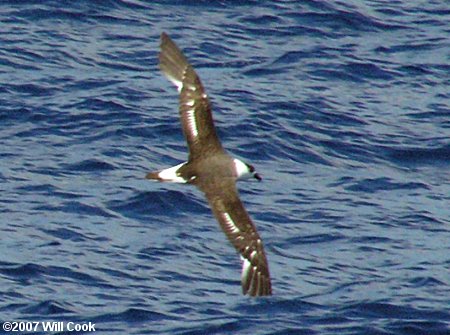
(212, 170)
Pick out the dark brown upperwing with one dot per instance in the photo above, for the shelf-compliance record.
(236, 223)
(195, 108)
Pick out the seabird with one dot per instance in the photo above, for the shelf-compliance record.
(213, 170)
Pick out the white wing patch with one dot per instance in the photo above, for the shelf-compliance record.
(192, 88)
(190, 103)
(176, 82)
(249, 270)
(230, 224)
(190, 117)
(246, 265)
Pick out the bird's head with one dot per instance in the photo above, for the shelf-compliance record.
(245, 171)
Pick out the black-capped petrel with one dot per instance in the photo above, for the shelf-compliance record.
(212, 170)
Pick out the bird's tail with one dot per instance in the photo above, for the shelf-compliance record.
(171, 175)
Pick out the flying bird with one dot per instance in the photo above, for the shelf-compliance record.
(213, 170)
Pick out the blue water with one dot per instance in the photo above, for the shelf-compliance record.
(343, 107)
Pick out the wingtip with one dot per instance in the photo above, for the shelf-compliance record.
(261, 289)
(172, 62)
(255, 283)
(164, 39)
(164, 36)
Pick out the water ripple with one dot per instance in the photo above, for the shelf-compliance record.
(343, 108)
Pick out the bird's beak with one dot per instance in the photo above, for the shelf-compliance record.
(257, 176)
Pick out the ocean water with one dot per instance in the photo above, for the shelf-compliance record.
(342, 106)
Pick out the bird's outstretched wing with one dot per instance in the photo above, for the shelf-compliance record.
(234, 220)
(195, 108)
